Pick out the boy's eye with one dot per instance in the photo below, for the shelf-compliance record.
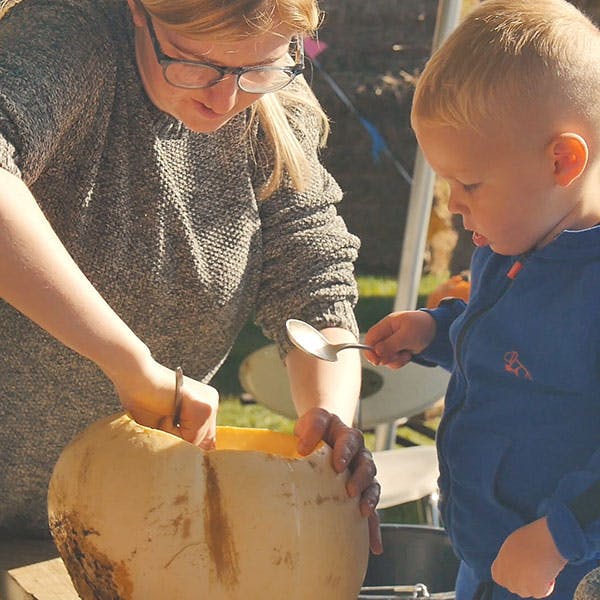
(470, 187)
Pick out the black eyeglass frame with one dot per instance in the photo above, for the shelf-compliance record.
(165, 61)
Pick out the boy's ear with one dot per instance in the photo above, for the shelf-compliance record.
(138, 17)
(569, 153)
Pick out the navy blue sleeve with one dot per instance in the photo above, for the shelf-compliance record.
(573, 513)
(586, 507)
(440, 351)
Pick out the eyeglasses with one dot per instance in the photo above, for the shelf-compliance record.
(198, 75)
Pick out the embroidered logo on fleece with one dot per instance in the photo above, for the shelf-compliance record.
(513, 364)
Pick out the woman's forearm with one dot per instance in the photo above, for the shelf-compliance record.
(40, 279)
(334, 386)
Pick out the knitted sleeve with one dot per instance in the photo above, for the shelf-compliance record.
(308, 262)
(53, 64)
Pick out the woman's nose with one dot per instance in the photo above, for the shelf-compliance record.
(222, 96)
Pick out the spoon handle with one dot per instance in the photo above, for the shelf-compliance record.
(343, 346)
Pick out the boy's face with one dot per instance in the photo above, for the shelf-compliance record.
(501, 183)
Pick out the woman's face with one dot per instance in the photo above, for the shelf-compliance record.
(202, 110)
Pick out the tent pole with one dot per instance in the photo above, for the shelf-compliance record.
(417, 218)
(421, 191)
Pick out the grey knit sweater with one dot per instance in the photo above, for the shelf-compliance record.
(164, 222)
(589, 588)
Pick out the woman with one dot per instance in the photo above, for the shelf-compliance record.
(173, 147)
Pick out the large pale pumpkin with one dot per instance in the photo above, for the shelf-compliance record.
(139, 514)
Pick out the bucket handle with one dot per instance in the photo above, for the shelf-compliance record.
(419, 590)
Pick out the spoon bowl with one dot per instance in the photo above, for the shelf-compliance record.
(313, 342)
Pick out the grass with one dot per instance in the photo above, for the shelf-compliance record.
(376, 300)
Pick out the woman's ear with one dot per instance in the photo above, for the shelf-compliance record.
(569, 153)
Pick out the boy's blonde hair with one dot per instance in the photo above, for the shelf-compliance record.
(237, 20)
(508, 56)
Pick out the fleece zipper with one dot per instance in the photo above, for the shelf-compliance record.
(511, 275)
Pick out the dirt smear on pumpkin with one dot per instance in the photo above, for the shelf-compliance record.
(219, 534)
(94, 575)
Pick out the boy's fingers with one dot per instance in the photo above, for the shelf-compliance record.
(401, 359)
(379, 331)
(372, 357)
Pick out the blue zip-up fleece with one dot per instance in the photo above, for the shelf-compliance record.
(520, 435)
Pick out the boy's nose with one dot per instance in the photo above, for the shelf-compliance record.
(222, 96)
(455, 206)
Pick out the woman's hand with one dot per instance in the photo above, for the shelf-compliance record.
(149, 396)
(198, 420)
(40, 279)
(528, 561)
(349, 452)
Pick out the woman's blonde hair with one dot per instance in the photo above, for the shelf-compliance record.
(236, 20)
(6, 5)
(506, 54)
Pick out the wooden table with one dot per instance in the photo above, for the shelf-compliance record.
(32, 570)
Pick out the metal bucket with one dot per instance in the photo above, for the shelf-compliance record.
(417, 562)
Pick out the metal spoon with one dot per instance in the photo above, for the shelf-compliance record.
(313, 342)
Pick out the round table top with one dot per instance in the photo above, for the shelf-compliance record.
(387, 395)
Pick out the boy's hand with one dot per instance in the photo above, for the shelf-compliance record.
(398, 336)
(528, 562)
